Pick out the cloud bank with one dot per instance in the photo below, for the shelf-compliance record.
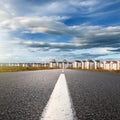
(68, 27)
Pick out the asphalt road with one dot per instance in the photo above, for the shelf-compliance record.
(95, 95)
(23, 95)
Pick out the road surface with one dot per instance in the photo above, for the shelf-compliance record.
(95, 95)
(23, 95)
(89, 95)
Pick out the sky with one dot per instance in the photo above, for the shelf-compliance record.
(41, 30)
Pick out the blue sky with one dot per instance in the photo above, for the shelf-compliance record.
(39, 30)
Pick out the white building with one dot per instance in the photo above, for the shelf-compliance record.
(77, 64)
(53, 63)
(70, 65)
(64, 64)
(59, 64)
(114, 65)
(83, 64)
(106, 65)
(89, 64)
(97, 64)
(118, 65)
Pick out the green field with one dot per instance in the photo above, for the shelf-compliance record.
(15, 69)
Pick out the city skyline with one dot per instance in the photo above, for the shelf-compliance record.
(38, 30)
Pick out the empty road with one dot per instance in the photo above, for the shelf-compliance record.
(88, 95)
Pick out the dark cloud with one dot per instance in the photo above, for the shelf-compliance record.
(53, 32)
(43, 45)
(72, 56)
(104, 41)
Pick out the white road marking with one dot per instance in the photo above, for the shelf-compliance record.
(59, 106)
(62, 70)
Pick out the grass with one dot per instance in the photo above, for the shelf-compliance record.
(16, 69)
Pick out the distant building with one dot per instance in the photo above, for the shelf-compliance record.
(64, 64)
(77, 64)
(84, 64)
(106, 65)
(59, 64)
(89, 64)
(53, 63)
(97, 64)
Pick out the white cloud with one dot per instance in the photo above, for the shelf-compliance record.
(93, 36)
(31, 23)
(48, 17)
(44, 24)
(53, 7)
(50, 45)
(5, 56)
(94, 51)
(114, 56)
